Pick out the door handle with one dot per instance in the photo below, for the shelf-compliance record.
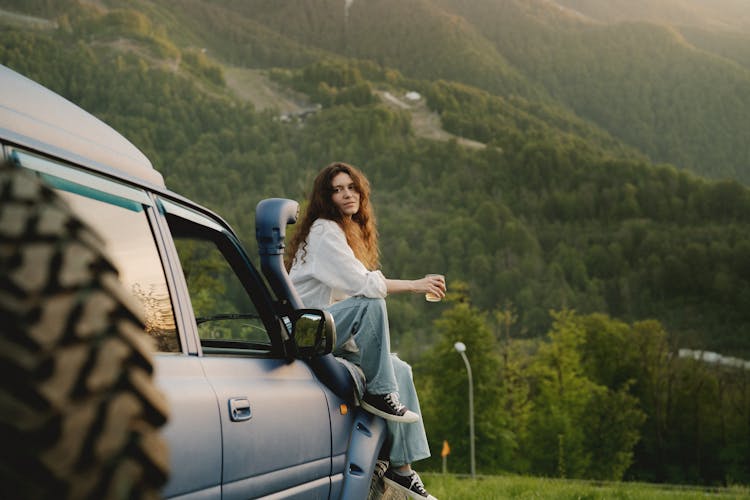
(239, 409)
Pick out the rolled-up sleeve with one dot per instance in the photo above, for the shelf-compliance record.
(333, 263)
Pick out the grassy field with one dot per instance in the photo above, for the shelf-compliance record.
(450, 487)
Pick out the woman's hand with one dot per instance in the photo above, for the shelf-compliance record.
(431, 285)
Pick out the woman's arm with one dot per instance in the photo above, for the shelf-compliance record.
(432, 283)
(332, 262)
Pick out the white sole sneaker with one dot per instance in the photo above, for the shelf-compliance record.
(407, 418)
(404, 490)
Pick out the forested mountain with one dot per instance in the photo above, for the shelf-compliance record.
(668, 78)
(644, 83)
(665, 88)
(413, 36)
(565, 245)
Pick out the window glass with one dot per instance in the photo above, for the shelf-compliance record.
(130, 244)
(116, 212)
(224, 312)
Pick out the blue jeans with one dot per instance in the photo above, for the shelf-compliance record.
(408, 441)
(363, 337)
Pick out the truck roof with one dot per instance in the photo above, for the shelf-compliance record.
(34, 117)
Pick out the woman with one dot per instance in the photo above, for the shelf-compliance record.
(334, 266)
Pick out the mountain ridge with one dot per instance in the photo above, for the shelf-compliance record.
(719, 14)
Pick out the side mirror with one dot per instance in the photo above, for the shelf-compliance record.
(314, 332)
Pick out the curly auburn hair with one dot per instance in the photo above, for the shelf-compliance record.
(361, 231)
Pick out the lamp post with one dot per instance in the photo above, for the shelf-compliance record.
(461, 348)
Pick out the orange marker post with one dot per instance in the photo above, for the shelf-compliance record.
(444, 453)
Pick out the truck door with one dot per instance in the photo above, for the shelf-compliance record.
(275, 422)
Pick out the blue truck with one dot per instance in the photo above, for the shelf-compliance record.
(257, 405)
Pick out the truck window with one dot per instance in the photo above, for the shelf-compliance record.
(227, 318)
(117, 213)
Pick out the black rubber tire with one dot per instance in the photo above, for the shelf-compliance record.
(79, 411)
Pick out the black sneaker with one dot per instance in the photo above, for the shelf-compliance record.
(410, 485)
(388, 407)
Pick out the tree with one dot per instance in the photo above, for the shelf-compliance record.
(653, 387)
(445, 392)
(579, 428)
(513, 383)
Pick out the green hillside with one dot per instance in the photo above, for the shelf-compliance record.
(643, 83)
(412, 36)
(577, 267)
(674, 93)
(674, 103)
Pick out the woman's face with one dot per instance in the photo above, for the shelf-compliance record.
(345, 195)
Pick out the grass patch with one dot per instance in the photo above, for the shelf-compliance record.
(449, 487)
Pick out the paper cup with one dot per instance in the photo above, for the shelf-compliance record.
(431, 297)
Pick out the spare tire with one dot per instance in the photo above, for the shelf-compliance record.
(79, 411)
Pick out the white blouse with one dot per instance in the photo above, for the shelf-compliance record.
(329, 271)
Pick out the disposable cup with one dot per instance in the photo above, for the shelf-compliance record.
(431, 297)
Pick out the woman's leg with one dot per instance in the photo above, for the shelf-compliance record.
(408, 441)
(365, 321)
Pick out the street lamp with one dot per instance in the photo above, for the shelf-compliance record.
(461, 348)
